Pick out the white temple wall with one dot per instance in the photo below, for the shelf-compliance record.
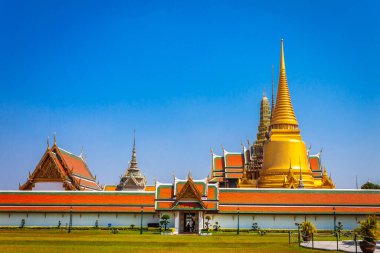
(225, 220)
(78, 219)
(48, 186)
(283, 221)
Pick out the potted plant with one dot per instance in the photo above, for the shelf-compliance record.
(368, 229)
(307, 229)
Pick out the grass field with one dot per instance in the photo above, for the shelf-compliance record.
(94, 241)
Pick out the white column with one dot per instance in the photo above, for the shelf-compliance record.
(176, 222)
(200, 221)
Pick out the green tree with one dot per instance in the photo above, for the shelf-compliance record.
(339, 228)
(207, 223)
(370, 185)
(165, 220)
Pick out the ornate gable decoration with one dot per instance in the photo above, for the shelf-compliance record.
(53, 167)
(188, 195)
(327, 181)
(47, 170)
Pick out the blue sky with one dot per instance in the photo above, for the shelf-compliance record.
(188, 76)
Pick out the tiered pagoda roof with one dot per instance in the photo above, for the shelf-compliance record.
(187, 194)
(257, 147)
(230, 165)
(60, 166)
(133, 178)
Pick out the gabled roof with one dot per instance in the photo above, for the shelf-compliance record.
(235, 160)
(200, 185)
(189, 194)
(230, 165)
(58, 165)
(74, 162)
(315, 165)
(49, 169)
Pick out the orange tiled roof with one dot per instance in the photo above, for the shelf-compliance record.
(299, 209)
(110, 188)
(201, 186)
(234, 160)
(62, 166)
(77, 164)
(150, 188)
(224, 200)
(218, 163)
(66, 208)
(87, 201)
(314, 163)
(229, 166)
(298, 197)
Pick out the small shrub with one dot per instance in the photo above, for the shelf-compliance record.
(22, 223)
(216, 226)
(132, 226)
(255, 227)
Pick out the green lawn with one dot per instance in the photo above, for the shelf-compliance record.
(93, 241)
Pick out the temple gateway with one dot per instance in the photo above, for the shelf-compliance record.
(275, 182)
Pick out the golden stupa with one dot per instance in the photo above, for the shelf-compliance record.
(284, 146)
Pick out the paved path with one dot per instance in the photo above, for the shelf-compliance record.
(345, 246)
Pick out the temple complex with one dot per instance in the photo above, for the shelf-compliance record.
(244, 187)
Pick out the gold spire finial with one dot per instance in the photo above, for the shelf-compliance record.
(189, 176)
(283, 114)
(272, 109)
(282, 56)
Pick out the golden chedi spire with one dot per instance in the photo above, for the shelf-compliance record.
(283, 115)
(285, 142)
